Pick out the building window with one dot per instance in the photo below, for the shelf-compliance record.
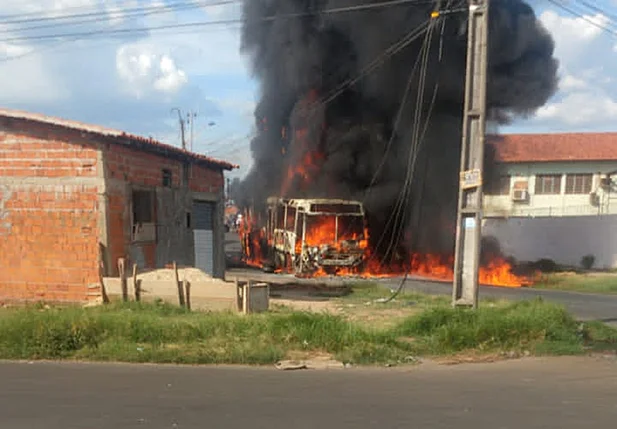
(499, 186)
(144, 225)
(579, 183)
(548, 184)
(167, 178)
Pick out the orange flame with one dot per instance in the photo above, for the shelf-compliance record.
(323, 231)
(251, 242)
(303, 171)
(497, 272)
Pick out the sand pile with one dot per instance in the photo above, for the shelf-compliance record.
(193, 275)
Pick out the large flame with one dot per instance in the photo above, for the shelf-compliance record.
(496, 272)
(251, 240)
(300, 171)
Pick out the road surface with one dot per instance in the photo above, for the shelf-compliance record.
(558, 393)
(582, 305)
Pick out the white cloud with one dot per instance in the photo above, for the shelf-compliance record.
(143, 70)
(132, 82)
(586, 98)
(573, 33)
(580, 109)
(569, 82)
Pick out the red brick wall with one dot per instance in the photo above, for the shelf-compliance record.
(206, 180)
(48, 215)
(125, 166)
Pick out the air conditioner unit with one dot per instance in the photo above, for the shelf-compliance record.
(520, 195)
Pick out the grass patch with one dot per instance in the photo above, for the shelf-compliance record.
(533, 326)
(165, 334)
(602, 283)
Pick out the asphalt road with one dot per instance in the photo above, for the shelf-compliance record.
(562, 393)
(581, 305)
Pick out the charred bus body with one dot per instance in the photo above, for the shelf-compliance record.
(309, 236)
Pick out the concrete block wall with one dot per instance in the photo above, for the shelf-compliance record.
(564, 239)
(127, 169)
(50, 187)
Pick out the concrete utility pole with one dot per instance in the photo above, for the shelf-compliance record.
(469, 217)
(190, 117)
(181, 120)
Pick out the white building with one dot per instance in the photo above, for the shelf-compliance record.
(554, 196)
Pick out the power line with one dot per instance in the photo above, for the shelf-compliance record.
(109, 16)
(346, 9)
(583, 17)
(395, 48)
(99, 42)
(597, 9)
(19, 19)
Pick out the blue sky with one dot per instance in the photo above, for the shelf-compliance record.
(132, 81)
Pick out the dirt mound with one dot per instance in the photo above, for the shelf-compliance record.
(193, 275)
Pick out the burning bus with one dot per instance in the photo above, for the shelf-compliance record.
(316, 236)
(320, 237)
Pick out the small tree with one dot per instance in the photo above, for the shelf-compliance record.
(587, 261)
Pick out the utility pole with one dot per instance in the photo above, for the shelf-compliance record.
(181, 120)
(469, 217)
(190, 117)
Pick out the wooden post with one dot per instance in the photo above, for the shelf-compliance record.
(123, 283)
(179, 286)
(187, 290)
(103, 290)
(239, 295)
(136, 284)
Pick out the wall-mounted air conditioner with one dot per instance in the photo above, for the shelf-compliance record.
(520, 195)
(605, 182)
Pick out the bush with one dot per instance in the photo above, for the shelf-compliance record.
(546, 265)
(588, 261)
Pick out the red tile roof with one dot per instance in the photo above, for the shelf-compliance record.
(514, 148)
(120, 137)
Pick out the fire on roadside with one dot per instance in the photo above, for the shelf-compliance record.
(496, 272)
(299, 175)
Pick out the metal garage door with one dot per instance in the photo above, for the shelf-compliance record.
(203, 215)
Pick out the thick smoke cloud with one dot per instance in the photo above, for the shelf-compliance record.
(301, 60)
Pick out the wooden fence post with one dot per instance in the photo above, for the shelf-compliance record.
(123, 282)
(187, 290)
(136, 284)
(179, 286)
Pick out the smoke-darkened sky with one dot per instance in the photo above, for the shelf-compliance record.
(350, 143)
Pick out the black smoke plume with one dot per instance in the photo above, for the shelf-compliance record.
(303, 56)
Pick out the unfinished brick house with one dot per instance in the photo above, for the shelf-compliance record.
(75, 198)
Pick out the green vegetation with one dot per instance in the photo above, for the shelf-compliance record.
(165, 334)
(603, 283)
